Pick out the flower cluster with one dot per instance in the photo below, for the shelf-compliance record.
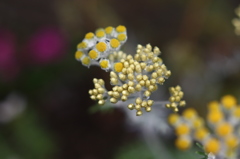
(236, 21)
(95, 48)
(134, 78)
(221, 137)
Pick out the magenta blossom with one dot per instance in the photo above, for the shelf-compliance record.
(8, 60)
(46, 45)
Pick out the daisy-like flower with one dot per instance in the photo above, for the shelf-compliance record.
(134, 78)
(219, 136)
(236, 21)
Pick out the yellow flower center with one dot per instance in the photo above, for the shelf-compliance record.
(228, 101)
(212, 145)
(121, 37)
(198, 122)
(121, 28)
(201, 133)
(114, 43)
(109, 30)
(214, 116)
(100, 34)
(104, 64)
(101, 46)
(182, 143)
(78, 55)
(190, 113)
(82, 45)
(182, 129)
(93, 54)
(86, 60)
(212, 106)
(89, 35)
(232, 141)
(118, 67)
(224, 129)
(173, 118)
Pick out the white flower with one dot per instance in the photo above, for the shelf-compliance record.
(211, 156)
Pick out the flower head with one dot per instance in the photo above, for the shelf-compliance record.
(134, 78)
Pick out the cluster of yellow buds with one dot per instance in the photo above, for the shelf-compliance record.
(221, 137)
(176, 98)
(236, 21)
(134, 78)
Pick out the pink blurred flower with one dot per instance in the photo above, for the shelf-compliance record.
(46, 45)
(8, 60)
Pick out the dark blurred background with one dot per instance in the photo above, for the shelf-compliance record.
(44, 101)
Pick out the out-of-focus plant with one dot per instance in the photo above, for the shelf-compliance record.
(46, 45)
(236, 21)
(221, 137)
(9, 67)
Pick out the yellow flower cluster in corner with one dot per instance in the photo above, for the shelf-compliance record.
(134, 78)
(236, 21)
(219, 134)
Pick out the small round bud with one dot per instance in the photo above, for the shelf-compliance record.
(138, 100)
(101, 82)
(124, 98)
(125, 92)
(116, 95)
(113, 74)
(151, 88)
(181, 94)
(95, 92)
(147, 83)
(147, 93)
(131, 76)
(172, 99)
(100, 90)
(101, 102)
(110, 93)
(143, 65)
(144, 103)
(120, 89)
(177, 99)
(154, 75)
(168, 105)
(139, 113)
(150, 102)
(145, 77)
(138, 107)
(114, 81)
(168, 73)
(122, 77)
(139, 77)
(131, 89)
(93, 97)
(90, 92)
(182, 103)
(99, 96)
(113, 100)
(142, 82)
(138, 87)
(173, 105)
(148, 109)
(130, 83)
(161, 80)
(131, 106)
(175, 109)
